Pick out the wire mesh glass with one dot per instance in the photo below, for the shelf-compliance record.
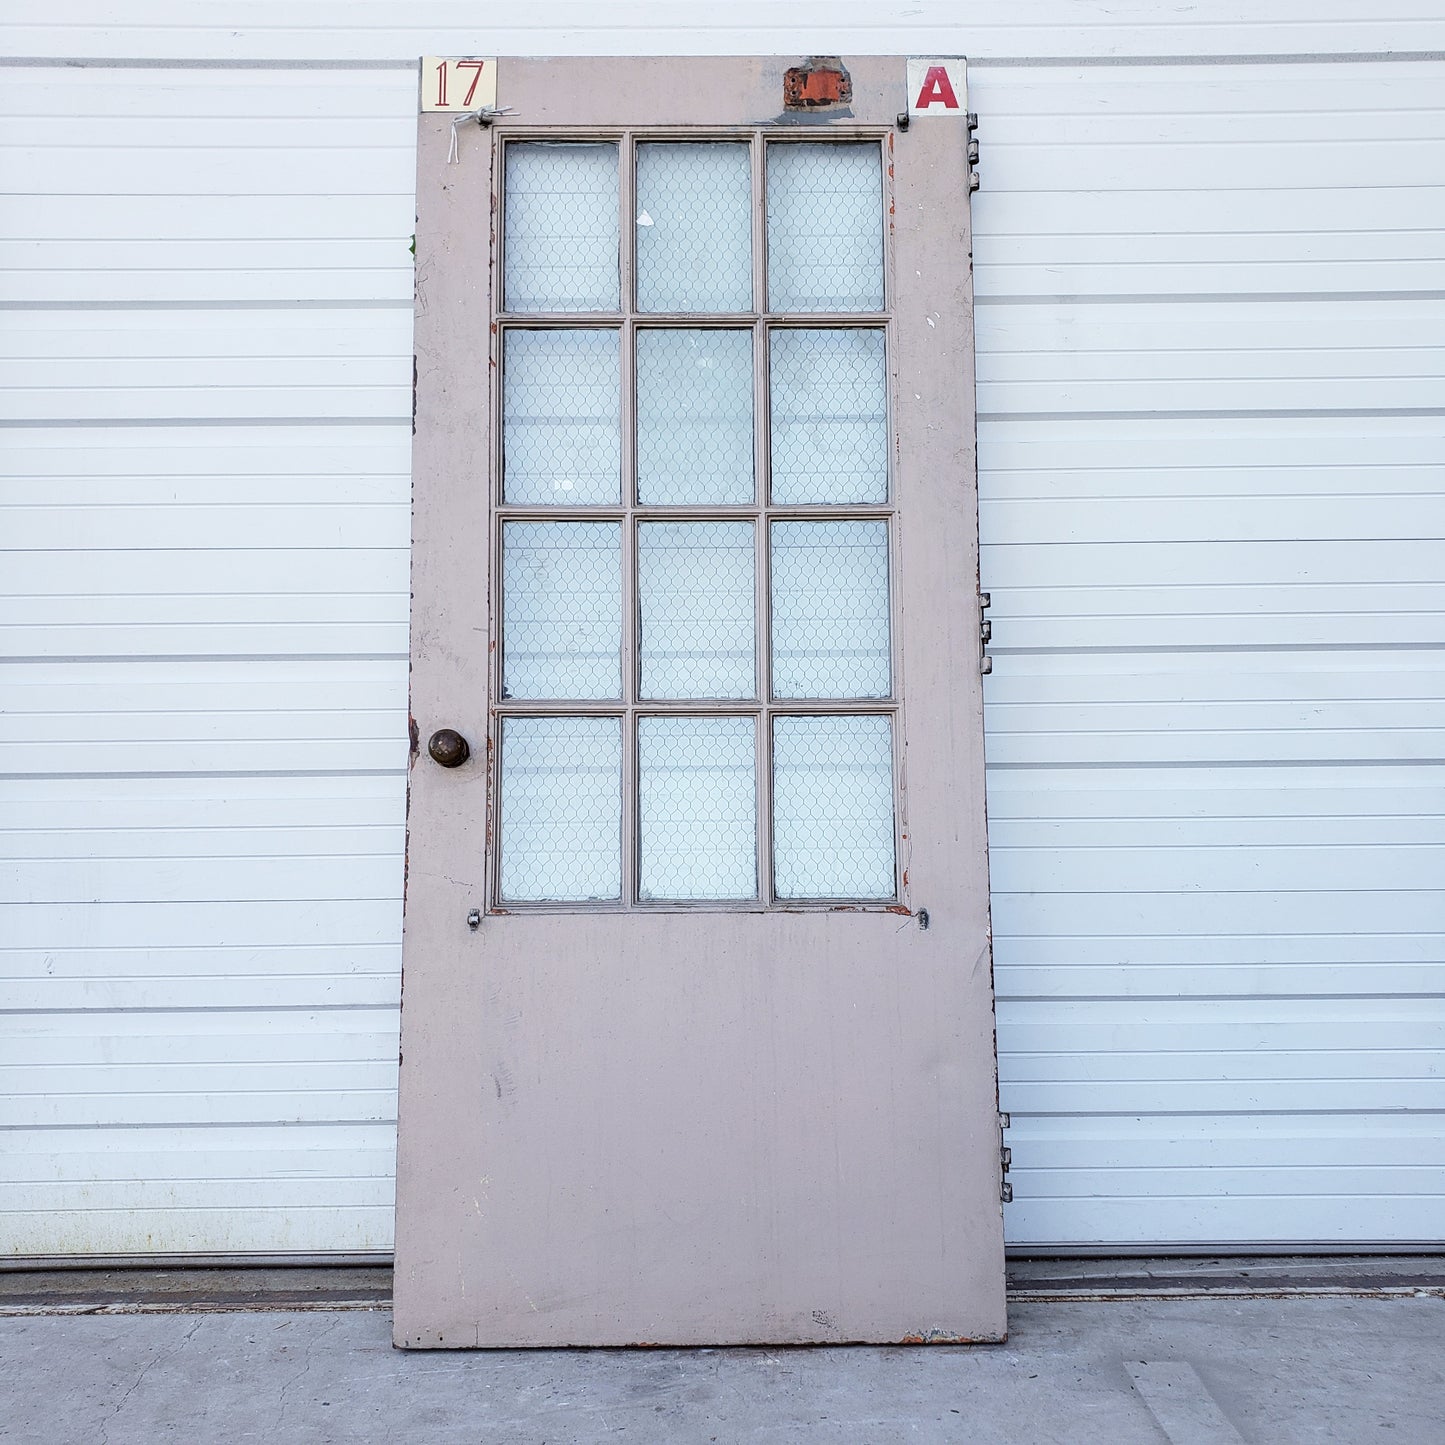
(697, 588)
(694, 226)
(829, 398)
(825, 226)
(693, 805)
(562, 610)
(697, 807)
(694, 418)
(560, 248)
(833, 808)
(561, 809)
(830, 610)
(561, 418)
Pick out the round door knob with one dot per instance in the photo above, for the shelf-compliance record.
(448, 747)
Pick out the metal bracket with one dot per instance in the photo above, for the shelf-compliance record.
(985, 631)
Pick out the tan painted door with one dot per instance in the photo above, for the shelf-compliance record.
(698, 1018)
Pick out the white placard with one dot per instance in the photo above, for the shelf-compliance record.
(937, 87)
(458, 83)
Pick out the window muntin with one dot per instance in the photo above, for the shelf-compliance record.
(741, 461)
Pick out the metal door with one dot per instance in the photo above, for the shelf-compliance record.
(698, 1021)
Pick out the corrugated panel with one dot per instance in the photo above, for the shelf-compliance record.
(1211, 382)
(205, 517)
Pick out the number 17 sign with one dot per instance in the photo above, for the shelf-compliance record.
(458, 84)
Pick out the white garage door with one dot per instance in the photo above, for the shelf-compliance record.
(206, 365)
(1211, 382)
(1211, 300)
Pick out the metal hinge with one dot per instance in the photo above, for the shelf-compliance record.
(972, 151)
(1005, 1159)
(985, 631)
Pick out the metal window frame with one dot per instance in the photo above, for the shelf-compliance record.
(626, 323)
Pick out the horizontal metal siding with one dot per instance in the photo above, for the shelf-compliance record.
(205, 515)
(1214, 800)
(1211, 383)
(384, 32)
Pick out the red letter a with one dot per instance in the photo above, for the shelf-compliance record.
(936, 88)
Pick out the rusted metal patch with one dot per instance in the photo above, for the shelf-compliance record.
(822, 80)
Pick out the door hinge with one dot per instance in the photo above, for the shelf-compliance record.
(1005, 1159)
(985, 632)
(972, 151)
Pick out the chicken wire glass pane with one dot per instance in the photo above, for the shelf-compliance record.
(694, 227)
(562, 609)
(694, 418)
(697, 802)
(829, 417)
(830, 609)
(562, 418)
(833, 807)
(560, 248)
(697, 590)
(825, 227)
(561, 807)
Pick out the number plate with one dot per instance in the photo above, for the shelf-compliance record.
(452, 83)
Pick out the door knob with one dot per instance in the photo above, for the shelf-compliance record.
(448, 747)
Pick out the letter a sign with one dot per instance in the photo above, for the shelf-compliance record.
(937, 87)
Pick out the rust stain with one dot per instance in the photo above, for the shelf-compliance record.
(487, 839)
(821, 80)
(941, 1337)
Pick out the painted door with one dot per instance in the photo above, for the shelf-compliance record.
(698, 1040)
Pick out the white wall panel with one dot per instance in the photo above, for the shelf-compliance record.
(1210, 386)
(1211, 381)
(383, 30)
(204, 515)
(208, 187)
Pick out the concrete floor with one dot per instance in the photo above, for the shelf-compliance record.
(1213, 1371)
